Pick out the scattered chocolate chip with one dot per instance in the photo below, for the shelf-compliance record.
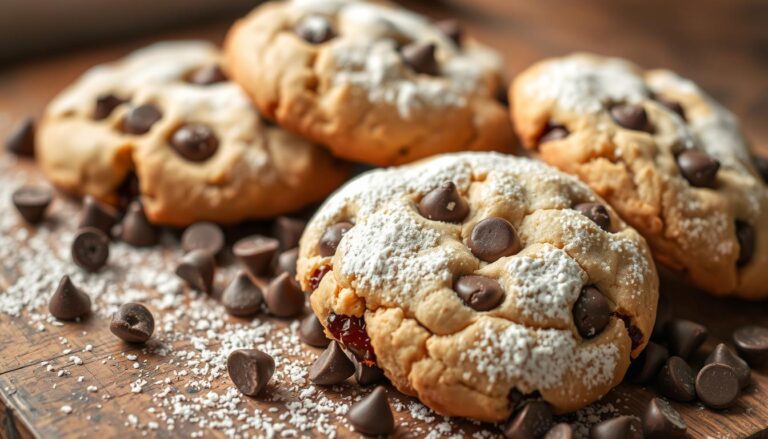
(331, 367)
(717, 386)
(286, 262)
(631, 117)
(745, 234)
(311, 332)
(493, 238)
(21, 141)
(684, 337)
(452, 29)
(68, 301)
(132, 323)
(444, 203)
(136, 228)
(698, 168)
(479, 292)
(139, 120)
(420, 57)
(724, 355)
(195, 142)
(90, 249)
(676, 381)
(204, 236)
(752, 344)
(98, 215)
(242, 298)
(366, 375)
(597, 213)
(332, 237)
(315, 29)
(671, 105)
(662, 421)
(663, 317)
(32, 202)
(591, 312)
(197, 269)
(256, 253)
(207, 75)
(372, 415)
(553, 132)
(560, 431)
(250, 370)
(533, 420)
(646, 366)
(761, 164)
(288, 231)
(284, 298)
(621, 427)
(105, 105)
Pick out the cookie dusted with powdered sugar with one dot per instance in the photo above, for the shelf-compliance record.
(167, 115)
(667, 157)
(475, 279)
(374, 82)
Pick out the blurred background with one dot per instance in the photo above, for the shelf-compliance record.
(721, 44)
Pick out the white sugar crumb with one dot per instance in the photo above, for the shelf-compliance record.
(66, 409)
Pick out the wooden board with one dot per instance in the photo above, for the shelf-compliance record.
(722, 45)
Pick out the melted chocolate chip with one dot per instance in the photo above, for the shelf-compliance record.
(745, 235)
(90, 249)
(372, 415)
(591, 312)
(493, 238)
(444, 203)
(479, 292)
(21, 141)
(68, 301)
(140, 119)
(250, 370)
(195, 142)
(420, 57)
(597, 213)
(332, 237)
(105, 105)
(699, 168)
(631, 117)
(133, 323)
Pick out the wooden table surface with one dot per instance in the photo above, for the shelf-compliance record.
(722, 45)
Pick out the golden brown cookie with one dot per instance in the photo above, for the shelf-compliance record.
(667, 157)
(374, 82)
(474, 279)
(168, 115)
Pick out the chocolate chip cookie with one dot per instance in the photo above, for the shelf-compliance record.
(374, 82)
(477, 279)
(168, 117)
(671, 161)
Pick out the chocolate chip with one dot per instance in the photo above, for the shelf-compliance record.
(332, 237)
(597, 213)
(250, 370)
(646, 366)
(139, 120)
(533, 420)
(32, 202)
(284, 298)
(699, 168)
(372, 415)
(671, 105)
(479, 292)
(90, 249)
(553, 132)
(662, 421)
(204, 236)
(195, 142)
(136, 228)
(663, 317)
(132, 323)
(98, 215)
(315, 29)
(621, 427)
(366, 375)
(493, 238)
(311, 332)
(255, 252)
(761, 164)
(197, 268)
(684, 337)
(717, 386)
(675, 380)
(420, 57)
(745, 234)
(444, 204)
(288, 231)
(68, 301)
(724, 355)
(331, 367)
(591, 312)
(752, 344)
(560, 431)
(502, 95)
(21, 141)
(207, 75)
(242, 298)
(631, 117)
(105, 105)
(452, 29)
(286, 262)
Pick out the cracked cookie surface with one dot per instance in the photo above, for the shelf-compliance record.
(472, 277)
(671, 161)
(169, 116)
(373, 82)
